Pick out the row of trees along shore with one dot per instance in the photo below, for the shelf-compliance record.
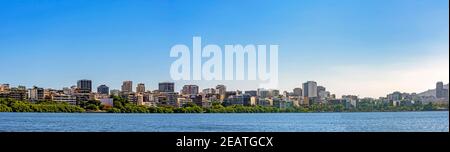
(121, 105)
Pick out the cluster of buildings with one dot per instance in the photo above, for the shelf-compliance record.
(440, 95)
(309, 93)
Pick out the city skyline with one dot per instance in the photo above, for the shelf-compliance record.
(313, 86)
(368, 48)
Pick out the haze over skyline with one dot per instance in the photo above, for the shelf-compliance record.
(367, 48)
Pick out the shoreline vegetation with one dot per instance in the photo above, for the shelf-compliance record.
(123, 106)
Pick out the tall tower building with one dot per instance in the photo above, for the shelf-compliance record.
(140, 88)
(166, 87)
(127, 86)
(103, 89)
(441, 92)
(84, 86)
(310, 89)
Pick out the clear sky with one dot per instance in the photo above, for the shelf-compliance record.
(360, 47)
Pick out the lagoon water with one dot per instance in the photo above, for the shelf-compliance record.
(261, 122)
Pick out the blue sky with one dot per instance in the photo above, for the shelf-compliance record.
(361, 47)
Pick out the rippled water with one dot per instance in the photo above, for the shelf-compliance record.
(261, 122)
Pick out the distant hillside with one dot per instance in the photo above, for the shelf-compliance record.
(431, 92)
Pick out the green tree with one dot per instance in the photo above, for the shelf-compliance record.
(92, 107)
(5, 108)
(114, 110)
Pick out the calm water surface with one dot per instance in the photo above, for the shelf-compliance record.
(262, 122)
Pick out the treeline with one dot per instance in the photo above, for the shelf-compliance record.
(192, 108)
(11, 105)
